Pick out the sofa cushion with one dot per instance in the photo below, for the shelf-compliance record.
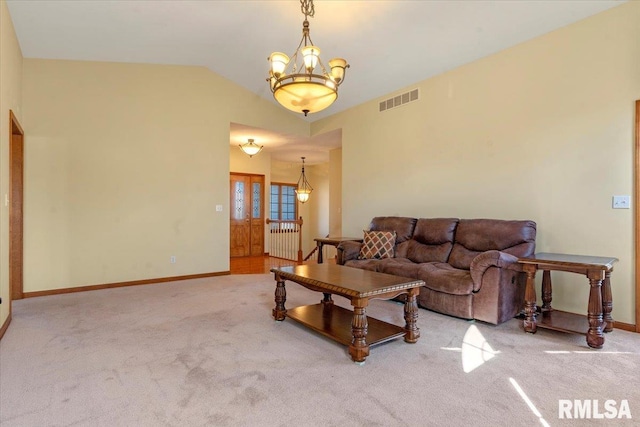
(378, 245)
(474, 236)
(401, 248)
(403, 226)
(399, 267)
(442, 277)
(432, 240)
(364, 264)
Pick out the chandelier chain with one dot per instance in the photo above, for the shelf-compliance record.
(307, 9)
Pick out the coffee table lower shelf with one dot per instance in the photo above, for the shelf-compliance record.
(334, 322)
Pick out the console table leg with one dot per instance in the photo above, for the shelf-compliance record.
(359, 349)
(411, 317)
(279, 311)
(595, 338)
(607, 302)
(529, 322)
(327, 300)
(546, 290)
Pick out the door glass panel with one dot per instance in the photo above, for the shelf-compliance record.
(238, 208)
(255, 199)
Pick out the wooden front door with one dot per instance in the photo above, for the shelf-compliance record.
(246, 215)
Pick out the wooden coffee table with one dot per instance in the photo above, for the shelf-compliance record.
(351, 328)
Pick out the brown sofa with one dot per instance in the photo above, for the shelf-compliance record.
(468, 265)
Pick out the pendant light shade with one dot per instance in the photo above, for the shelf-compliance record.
(304, 189)
(251, 148)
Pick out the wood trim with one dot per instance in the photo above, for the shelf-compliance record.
(15, 123)
(5, 326)
(16, 198)
(246, 174)
(122, 284)
(624, 326)
(636, 206)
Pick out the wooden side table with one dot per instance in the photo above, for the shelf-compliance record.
(333, 241)
(598, 271)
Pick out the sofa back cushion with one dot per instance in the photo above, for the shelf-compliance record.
(432, 240)
(474, 236)
(403, 226)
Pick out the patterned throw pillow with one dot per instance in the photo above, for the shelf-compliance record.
(377, 245)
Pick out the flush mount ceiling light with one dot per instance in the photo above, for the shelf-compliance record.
(251, 148)
(295, 82)
(303, 189)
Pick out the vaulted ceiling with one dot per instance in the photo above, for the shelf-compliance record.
(389, 44)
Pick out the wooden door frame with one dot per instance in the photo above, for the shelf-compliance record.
(262, 205)
(636, 205)
(16, 136)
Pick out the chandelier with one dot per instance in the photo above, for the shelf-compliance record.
(251, 148)
(303, 189)
(301, 83)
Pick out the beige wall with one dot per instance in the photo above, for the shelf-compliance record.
(124, 166)
(10, 99)
(541, 131)
(335, 196)
(318, 225)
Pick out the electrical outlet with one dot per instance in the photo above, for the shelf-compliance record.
(172, 259)
(218, 208)
(621, 202)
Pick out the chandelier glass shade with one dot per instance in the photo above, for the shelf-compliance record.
(302, 83)
(303, 188)
(251, 148)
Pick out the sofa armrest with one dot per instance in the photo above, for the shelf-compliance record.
(492, 258)
(347, 250)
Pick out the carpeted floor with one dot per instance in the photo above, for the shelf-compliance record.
(207, 352)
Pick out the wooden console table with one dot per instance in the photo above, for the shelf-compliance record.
(333, 241)
(598, 271)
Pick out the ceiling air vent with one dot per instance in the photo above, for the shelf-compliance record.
(399, 100)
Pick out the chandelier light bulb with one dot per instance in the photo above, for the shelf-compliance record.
(279, 63)
(338, 65)
(311, 55)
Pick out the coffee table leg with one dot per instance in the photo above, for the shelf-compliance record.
(279, 311)
(607, 302)
(411, 316)
(529, 321)
(595, 338)
(359, 349)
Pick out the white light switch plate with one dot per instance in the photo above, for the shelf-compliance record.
(621, 202)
